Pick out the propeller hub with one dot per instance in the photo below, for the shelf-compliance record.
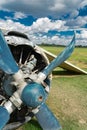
(33, 95)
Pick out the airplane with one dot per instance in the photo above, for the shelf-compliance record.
(65, 65)
(25, 80)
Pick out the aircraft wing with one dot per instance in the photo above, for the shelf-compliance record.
(65, 65)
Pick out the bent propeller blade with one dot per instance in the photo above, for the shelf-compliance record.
(46, 119)
(4, 117)
(7, 62)
(60, 58)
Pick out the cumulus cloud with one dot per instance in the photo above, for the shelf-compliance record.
(46, 24)
(40, 26)
(11, 25)
(55, 39)
(37, 30)
(41, 8)
(83, 3)
(41, 38)
(74, 14)
(19, 15)
(82, 35)
(54, 8)
(81, 39)
(77, 22)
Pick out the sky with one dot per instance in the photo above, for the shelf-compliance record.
(46, 21)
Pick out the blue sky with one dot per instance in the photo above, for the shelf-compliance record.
(48, 21)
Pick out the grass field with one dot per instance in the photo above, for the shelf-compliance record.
(68, 94)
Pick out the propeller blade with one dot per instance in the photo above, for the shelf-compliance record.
(46, 119)
(7, 62)
(4, 117)
(60, 58)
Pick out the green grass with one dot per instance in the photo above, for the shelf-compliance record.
(68, 99)
(68, 94)
(32, 125)
(78, 57)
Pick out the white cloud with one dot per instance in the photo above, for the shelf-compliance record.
(54, 8)
(19, 15)
(81, 38)
(51, 40)
(38, 37)
(42, 9)
(83, 3)
(77, 23)
(10, 25)
(55, 38)
(46, 24)
(5, 2)
(40, 26)
(39, 8)
(16, 16)
(74, 14)
(82, 35)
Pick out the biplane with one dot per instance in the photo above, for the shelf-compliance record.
(25, 80)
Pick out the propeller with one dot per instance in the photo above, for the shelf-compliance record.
(7, 62)
(46, 118)
(33, 94)
(61, 57)
(4, 117)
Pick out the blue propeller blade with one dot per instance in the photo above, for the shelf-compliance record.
(7, 62)
(46, 119)
(4, 117)
(60, 58)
